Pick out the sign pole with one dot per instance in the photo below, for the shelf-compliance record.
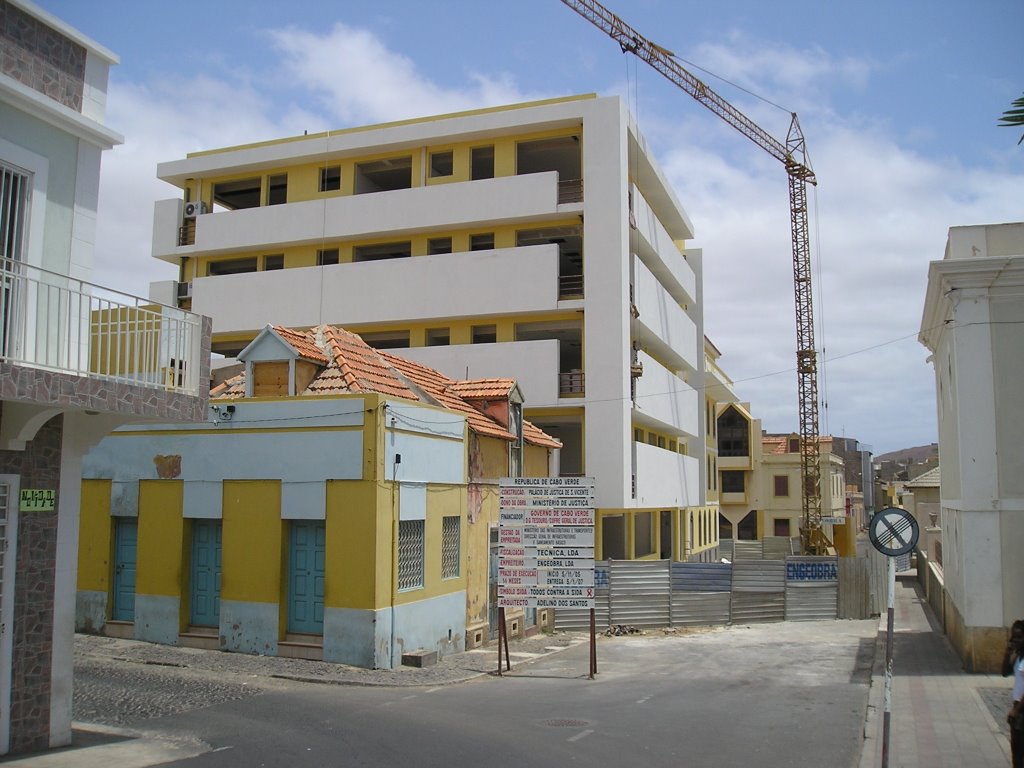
(887, 713)
(893, 532)
(593, 645)
(501, 635)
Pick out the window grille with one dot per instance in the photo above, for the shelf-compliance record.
(410, 554)
(450, 550)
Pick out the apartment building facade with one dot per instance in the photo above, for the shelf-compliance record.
(76, 359)
(538, 241)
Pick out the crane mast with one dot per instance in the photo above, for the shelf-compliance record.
(793, 155)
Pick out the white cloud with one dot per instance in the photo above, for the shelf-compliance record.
(357, 79)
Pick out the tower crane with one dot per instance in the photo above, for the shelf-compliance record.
(793, 155)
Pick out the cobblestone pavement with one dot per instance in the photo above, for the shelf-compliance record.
(125, 682)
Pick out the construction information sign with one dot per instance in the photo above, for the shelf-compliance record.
(546, 542)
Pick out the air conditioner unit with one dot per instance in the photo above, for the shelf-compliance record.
(194, 209)
(185, 290)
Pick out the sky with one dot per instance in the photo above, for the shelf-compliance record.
(899, 101)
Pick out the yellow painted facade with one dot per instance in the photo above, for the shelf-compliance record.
(162, 548)
(96, 537)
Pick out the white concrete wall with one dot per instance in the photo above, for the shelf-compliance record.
(664, 478)
(607, 428)
(662, 316)
(670, 265)
(534, 365)
(663, 396)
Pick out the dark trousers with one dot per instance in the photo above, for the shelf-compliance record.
(1017, 747)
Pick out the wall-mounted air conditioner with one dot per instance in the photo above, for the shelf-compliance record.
(194, 209)
(185, 290)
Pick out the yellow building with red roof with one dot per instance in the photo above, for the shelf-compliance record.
(337, 505)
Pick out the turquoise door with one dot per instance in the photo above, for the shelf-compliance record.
(204, 605)
(306, 577)
(126, 536)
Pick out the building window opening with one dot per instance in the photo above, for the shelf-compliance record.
(236, 195)
(330, 178)
(384, 175)
(643, 534)
(747, 528)
(613, 537)
(273, 262)
(438, 337)
(277, 189)
(561, 154)
(325, 256)
(231, 266)
(382, 251)
(451, 555)
(386, 339)
(782, 527)
(570, 255)
(733, 481)
(441, 164)
(410, 554)
(569, 336)
(437, 245)
(481, 163)
(781, 485)
(733, 433)
(484, 334)
(482, 242)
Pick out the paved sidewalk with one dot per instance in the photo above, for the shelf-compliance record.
(940, 715)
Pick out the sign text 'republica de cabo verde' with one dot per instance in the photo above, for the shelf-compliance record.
(546, 542)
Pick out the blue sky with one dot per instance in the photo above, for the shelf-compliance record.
(899, 103)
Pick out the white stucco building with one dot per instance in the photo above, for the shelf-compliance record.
(539, 241)
(973, 324)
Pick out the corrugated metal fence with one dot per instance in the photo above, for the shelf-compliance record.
(661, 593)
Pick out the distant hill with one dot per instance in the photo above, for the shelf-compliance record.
(917, 455)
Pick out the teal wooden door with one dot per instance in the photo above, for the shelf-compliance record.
(126, 536)
(204, 604)
(306, 577)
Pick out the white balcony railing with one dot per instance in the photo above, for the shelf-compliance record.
(58, 323)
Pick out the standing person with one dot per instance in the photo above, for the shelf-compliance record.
(1013, 663)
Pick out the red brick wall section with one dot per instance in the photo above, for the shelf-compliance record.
(41, 58)
(39, 467)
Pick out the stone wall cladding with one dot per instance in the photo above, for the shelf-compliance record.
(40, 57)
(39, 467)
(99, 394)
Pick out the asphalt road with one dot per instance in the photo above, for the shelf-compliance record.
(784, 694)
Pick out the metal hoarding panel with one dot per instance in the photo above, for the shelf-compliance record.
(700, 609)
(759, 576)
(640, 593)
(725, 549)
(811, 603)
(758, 607)
(701, 577)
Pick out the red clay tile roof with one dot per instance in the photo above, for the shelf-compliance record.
(351, 365)
(482, 389)
(303, 343)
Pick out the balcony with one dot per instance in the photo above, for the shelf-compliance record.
(665, 478)
(67, 342)
(349, 217)
(413, 289)
(664, 399)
